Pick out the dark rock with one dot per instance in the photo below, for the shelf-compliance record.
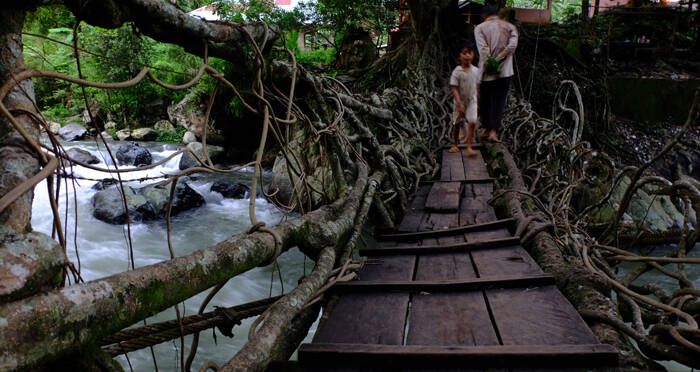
(185, 198)
(82, 156)
(133, 154)
(98, 114)
(189, 161)
(144, 204)
(105, 183)
(72, 132)
(232, 190)
(109, 206)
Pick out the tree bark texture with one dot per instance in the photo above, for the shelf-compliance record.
(29, 262)
(165, 22)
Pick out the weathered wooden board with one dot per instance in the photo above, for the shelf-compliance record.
(503, 281)
(415, 214)
(424, 249)
(450, 319)
(511, 260)
(443, 197)
(388, 268)
(475, 236)
(366, 318)
(452, 166)
(476, 210)
(474, 166)
(422, 356)
(537, 316)
(414, 236)
(445, 266)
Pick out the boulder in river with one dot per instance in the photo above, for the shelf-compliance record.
(144, 134)
(133, 154)
(105, 183)
(82, 156)
(72, 132)
(124, 135)
(109, 206)
(188, 138)
(164, 126)
(145, 204)
(189, 161)
(54, 127)
(230, 190)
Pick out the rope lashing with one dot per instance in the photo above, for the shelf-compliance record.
(278, 240)
(224, 318)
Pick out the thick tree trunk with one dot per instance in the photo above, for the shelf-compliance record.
(433, 16)
(166, 22)
(31, 262)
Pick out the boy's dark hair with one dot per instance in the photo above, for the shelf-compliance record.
(465, 44)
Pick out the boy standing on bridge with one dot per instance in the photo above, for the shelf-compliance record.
(464, 81)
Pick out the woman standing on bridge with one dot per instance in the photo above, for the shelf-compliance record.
(496, 41)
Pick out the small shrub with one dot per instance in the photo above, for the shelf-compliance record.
(171, 137)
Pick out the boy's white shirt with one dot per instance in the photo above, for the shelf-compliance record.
(496, 38)
(466, 81)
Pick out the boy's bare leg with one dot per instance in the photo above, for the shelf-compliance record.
(455, 137)
(470, 139)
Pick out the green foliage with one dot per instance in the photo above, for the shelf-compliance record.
(107, 56)
(171, 137)
(57, 111)
(340, 15)
(562, 10)
(259, 11)
(313, 58)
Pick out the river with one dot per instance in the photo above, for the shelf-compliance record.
(103, 248)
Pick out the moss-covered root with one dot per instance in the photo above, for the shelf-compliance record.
(585, 290)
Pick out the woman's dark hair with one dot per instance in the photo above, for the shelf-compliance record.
(489, 10)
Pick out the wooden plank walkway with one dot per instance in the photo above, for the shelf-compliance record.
(452, 289)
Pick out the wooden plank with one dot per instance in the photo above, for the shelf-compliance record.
(475, 236)
(418, 356)
(411, 221)
(537, 316)
(445, 266)
(425, 249)
(463, 146)
(443, 197)
(415, 214)
(505, 281)
(388, 268)
(371, 318)
(456, 166)
(445, 165)
(474, 166)
(511, 260)
(507, 222)
(450, 319)
(485, 181)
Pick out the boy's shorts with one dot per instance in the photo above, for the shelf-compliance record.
(470, 114)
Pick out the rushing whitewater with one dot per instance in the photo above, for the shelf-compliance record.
(103, 249)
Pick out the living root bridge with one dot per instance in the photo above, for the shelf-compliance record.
(42, 328)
